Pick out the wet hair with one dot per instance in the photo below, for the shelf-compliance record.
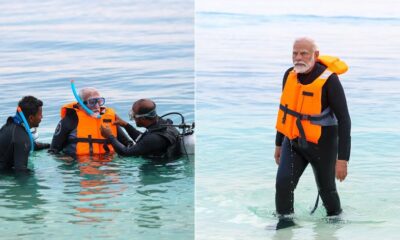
(143, 107)
(30, 105)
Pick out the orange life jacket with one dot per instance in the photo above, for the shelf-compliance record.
(300, 112)
(88, 136)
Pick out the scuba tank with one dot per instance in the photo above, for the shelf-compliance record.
(188, 140)
(186, 135)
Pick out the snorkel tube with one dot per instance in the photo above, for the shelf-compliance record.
(26, 125)
(87, 110)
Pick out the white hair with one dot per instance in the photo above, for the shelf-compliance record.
(87, 92)
(307, 39)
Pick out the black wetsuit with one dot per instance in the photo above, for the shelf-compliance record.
(333, 144)
(159, 141)
(15, 146)
(65, 135)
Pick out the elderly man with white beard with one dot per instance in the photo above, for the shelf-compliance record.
(313, 126)
(78, 132)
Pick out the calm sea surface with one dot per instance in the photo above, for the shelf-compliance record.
(242, 52)
(128, 50)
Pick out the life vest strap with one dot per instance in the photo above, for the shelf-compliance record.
(88, 140)
(299, 117)
(284, 114)
(91, 140)
(90, 144)
(308, 117)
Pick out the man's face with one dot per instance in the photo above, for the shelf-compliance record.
(34, 120)
(93, 102)
(303, 57)
(138, 121)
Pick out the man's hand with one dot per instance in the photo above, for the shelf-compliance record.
(105, 131)
(40, 146)
(277, 154)
(119, 121)
(341, 169)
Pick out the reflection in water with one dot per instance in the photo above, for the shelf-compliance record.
(21, 194)
(326, 231)
(154, 178)
(284, 234)
(152, 193)
(98, 180)
(322, 230)
(129, 195)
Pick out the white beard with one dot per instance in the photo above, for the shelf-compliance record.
(302, 67)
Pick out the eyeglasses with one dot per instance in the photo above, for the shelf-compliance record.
(133, 115)
(91, 102)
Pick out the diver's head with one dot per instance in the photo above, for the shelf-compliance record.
(143, 112)
(32, 109)
(92, 98)
(305, 54)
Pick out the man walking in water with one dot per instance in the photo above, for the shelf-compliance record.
(313, 126)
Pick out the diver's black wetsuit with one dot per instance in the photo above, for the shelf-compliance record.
(15, 146)
(65, 134)
(158, 141)
(334, 141)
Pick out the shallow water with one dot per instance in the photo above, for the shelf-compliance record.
(242, 53)
(128, 50)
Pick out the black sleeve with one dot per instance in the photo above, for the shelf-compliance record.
(337, 102)
(149, 144)
(279, 136)
(122, 137)
(133, 132)
(279, 139)
(63, 129)
(21, 150)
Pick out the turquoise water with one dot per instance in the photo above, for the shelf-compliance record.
(128, 50)
(242, 52)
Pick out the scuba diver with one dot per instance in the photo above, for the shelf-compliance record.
(161, 140)
(16, 140)
(78, 132)
(313, 126)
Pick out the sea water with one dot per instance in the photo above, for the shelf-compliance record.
(128, 50)
(242, 51)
